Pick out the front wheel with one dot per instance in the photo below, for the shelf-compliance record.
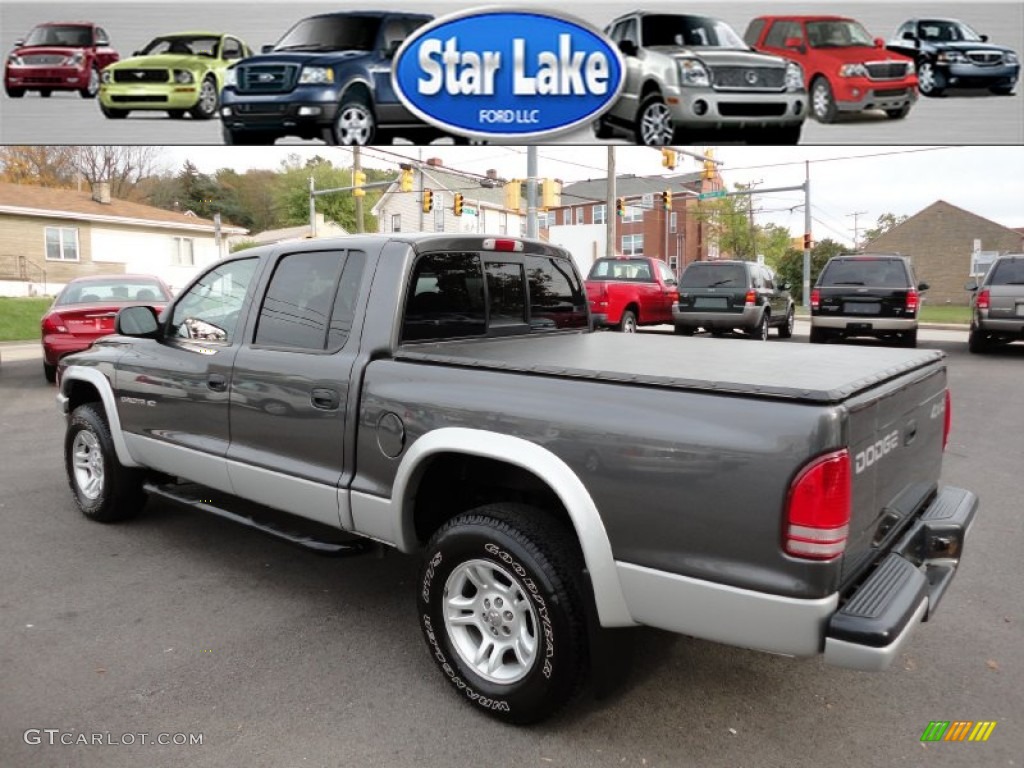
(977, 342)
(14, 93)
(898, 114)
(1002, 90)
(45, 93)
(602, 130)
(786, 329)
(112, 113)
(247, 138)
(930, 81)
(93, 86)
(685, 330)
(355, 123)
(209, 100)
(104, 489)
(50, 372)
(909, 338)
(823, 103)
(789, 134)
(502, 612)
(654, 126)
(627, 323)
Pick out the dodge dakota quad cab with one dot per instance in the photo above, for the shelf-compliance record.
(688, 75)
(442, 395)
(328, 78)
(630, 291)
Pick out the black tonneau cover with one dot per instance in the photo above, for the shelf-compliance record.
(794, 371)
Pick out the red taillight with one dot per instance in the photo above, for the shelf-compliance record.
(818, 508)
(815, 298)
(947, 421)
(751, 297)
(983, 300)
(54, 324)
(503, 244)
(912, 299)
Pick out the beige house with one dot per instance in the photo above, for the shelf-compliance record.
(49, 236)
(939, 241)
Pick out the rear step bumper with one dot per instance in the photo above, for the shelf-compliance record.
(874, 624)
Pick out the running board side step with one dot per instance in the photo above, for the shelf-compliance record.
(280, 525)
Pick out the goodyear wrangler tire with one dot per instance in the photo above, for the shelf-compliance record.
(103, 489)
(502, 612)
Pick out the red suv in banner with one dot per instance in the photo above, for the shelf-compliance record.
(846, 69)
(59, 56)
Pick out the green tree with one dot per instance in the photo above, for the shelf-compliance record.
(292, 193)
(773, 241)
(885, 222)
(790, 267)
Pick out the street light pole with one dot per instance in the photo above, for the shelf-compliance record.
(531, 190)
(610, 218)
(807, 234)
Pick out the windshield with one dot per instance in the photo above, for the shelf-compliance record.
(705, 275)
(331, 33)
(115, 289)
(837, 34)
(873, 273)
(69, 35)
(621, 269)
(183, 44)
(689, 32)
(947, 32)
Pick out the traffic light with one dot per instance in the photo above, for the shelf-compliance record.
(428, 200)
(666, 199)
(407, 178)
(513, 193)
(457, 204)
(709, 165)
(668, 159)
(808, 242)
(549, 194)
(358, 179)
(620, 206)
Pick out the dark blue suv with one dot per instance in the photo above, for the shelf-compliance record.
(328, 78)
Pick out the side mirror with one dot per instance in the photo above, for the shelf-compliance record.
(267, 48)
(879, 42)
(19, 42)
(984, 38)
(923, 286)
(908, 35)
(140, 322)
(628, 47)
(136, 53)
(102, 41)
(971, 286)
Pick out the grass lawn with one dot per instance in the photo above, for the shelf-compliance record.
(944, 313)
(19, 318)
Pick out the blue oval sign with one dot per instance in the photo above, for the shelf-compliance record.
(507, 74)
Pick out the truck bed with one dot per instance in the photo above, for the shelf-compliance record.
(790, 371)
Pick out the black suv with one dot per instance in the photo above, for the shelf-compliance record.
(722, 296)
(328, 78)
(866, 295)
(997, 308)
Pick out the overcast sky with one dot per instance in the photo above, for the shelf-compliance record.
(873, 180)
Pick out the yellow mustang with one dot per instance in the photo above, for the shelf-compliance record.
(177, 73)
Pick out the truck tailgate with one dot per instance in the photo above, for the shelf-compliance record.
(790, 371)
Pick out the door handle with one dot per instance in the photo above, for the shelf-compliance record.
(324, 399)
(216, 382)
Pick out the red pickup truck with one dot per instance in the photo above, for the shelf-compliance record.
(628, 291)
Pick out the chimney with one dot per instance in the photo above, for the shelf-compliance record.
(492, 173)
(435, 162)
(101, 192)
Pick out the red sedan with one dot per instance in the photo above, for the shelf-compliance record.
(85, 310)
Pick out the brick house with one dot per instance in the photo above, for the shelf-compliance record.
(939, 241)
(49, 236)
(677, 236)
(483, 204)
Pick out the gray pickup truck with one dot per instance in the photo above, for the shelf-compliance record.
(443, 395)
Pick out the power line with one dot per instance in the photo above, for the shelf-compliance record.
(838, 158)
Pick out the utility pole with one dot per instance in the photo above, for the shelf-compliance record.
(610, 218)
(856, 229)
(750, 216)
(356, 168)
(419, 198)
(531, 190)
(807, 234)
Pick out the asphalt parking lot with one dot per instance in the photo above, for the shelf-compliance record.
(178, 623)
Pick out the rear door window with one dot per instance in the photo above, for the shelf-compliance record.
(446, 298)
(557, 298)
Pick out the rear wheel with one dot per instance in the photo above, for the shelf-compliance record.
(789, 134)
(104, 489)
(760, 331)
(93, 86)
(1002, 90)
(977, 342)
(685, 330)
(50, 372)
(909, 338)
(786, 329)
(502, 612)
(176, 114)
(627, 323)
(930, 81)
(898, 114)
(45, 93)
(818, 336)
(823, 103)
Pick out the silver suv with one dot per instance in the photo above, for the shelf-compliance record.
(997, 309)
(690, 73)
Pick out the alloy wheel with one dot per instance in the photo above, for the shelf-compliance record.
(656, 125)
(88, 464)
